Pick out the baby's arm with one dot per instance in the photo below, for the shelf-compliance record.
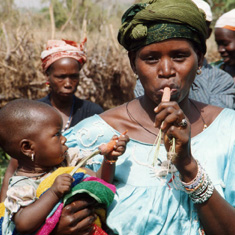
(107, 169)
(30, 218)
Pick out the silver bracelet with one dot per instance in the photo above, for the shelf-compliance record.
(204, 196)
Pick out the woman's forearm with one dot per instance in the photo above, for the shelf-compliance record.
(217, 216)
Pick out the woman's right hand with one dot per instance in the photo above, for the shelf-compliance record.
(168, 118)
(77, 218)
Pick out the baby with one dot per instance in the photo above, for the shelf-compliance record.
(30, 131)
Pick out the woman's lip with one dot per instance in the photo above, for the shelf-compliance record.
(173, 90)
(66, 94)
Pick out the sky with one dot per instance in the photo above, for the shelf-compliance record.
(29, 3)
(37, 3)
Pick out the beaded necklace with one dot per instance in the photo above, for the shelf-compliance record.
(70, 117)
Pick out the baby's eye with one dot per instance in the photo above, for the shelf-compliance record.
(58, 134)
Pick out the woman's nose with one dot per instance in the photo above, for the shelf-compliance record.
(68, 82)
(221, 48)
(165, 69)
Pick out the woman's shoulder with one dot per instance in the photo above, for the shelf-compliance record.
(211, 113)
(116, 117)
(214, 113)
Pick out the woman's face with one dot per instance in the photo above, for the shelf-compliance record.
(225, 40)
(64, 77)
(171, 63)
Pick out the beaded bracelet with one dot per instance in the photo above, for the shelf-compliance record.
(109, 161)
(200, 189)
(194, 183)
(197, 187)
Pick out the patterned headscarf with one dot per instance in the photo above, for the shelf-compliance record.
(227, 21)
(158, 20)
(57, 49)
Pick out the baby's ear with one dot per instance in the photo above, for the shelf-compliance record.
(26, 147)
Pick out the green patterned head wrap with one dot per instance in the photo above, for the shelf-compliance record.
(158, 20)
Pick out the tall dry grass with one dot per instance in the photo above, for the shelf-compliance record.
(106, 78)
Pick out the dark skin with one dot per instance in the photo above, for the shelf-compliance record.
(225, 40)
(173, 63)
(49, 149)
(63, 77)
(46, 143)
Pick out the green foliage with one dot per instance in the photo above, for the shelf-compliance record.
(219, 7)
(4, 160)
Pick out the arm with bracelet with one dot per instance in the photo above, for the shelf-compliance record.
(111, 152)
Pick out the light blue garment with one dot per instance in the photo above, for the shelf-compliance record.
(145, 204)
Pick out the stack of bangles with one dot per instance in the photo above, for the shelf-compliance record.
(200, 188)
(110, 161)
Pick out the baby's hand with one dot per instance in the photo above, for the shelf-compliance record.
(62, 184)
(118, 147)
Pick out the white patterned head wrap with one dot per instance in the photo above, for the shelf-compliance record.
(57, 49)
(227, 21)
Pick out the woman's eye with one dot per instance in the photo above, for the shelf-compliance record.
(60, 78)
(75, 77)
(151, 59)
(179, 58)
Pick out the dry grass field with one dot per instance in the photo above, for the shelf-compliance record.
(105, 79)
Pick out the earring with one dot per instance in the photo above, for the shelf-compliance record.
(32, 157)
(199, 71)
(136, 76)
(48, 84)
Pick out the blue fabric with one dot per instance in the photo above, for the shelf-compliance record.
(213, 86)
(1, 220)
(77, 178)
(145, 204)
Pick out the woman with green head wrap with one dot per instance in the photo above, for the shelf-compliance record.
(177, 174)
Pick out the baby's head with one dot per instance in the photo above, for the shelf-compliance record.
(32, 129)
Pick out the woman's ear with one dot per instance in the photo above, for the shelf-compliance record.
(132, 56)
(200, 59)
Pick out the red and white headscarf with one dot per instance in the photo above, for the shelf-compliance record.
(57, 49)
(227, 21)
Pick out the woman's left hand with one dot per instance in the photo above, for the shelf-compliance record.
(174, 124)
